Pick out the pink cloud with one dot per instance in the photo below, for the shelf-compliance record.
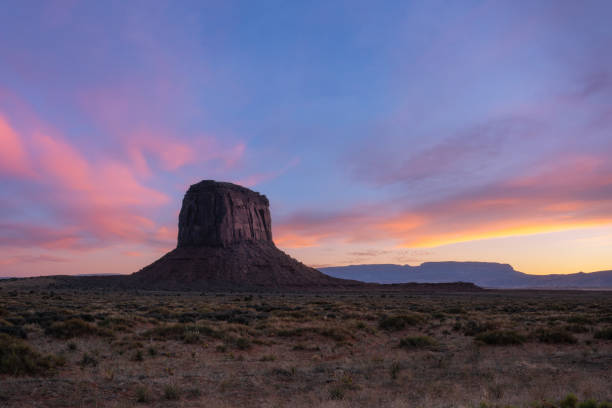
(61, 163)
(25, 235)
(19, 259)
(13, 156)
(172, 153)
(93, 201)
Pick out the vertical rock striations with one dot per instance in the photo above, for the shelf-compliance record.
(225, 242)
(221, 214)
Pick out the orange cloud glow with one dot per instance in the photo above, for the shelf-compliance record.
(571, 193)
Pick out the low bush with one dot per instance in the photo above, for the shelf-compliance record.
(334, 334)
(88, 360)
(500, 338)
(570, 401)
(576, 328)
(605, 334)
(579, 319)
(242, 343)
(15, 331)
(555, 336)
(138, 356)
(474, 327)
(171, 392)
(399, 322)
(18, 358)
(338, 391)
(143, 394)
(415, 342)
(394, 370)
(75, 328)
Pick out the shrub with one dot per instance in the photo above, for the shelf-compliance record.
(143, 394)
(17, 358)
(396, 323)
(500, 337)
(74, 328)
(588, 404)
(555, 336)
(303, 347)
(415, 342)
(605, 334)
(191, 336)
(395, 369)
(336, 393)
(335, 334)
(474, 327)
(171, 392)
(579, 319)
(570, 401)
(88, 360)
(576, 328)
(138, 356)
(15, 331)
(242, 343)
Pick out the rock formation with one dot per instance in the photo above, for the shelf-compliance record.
(225, 242)
(222, 214)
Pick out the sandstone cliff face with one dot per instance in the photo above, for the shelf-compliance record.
(221, 214)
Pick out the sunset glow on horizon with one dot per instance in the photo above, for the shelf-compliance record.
(415, 132)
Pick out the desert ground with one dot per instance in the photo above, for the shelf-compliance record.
(67, 348)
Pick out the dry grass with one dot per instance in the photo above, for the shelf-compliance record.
(119, 349)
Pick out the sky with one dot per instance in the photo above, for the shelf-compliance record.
(382, 132)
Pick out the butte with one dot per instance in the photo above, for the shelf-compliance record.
(225, 242)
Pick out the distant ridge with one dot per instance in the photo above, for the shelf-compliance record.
(484, 274)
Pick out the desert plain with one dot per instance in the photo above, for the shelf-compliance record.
(95, 348)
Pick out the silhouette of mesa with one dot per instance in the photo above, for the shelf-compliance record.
(225, 243)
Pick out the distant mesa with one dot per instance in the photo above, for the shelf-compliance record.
(225, 242)
(484, 274)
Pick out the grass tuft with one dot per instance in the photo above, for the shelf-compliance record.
(500, 338)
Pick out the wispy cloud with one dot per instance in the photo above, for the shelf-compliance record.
(13, 156)
(566, 193)
(6, 261)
